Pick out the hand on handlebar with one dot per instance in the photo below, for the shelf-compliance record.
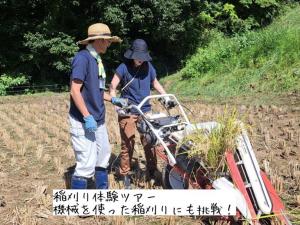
(120, 111)
(121, 102)
(168, 102)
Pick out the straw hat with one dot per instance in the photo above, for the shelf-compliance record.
(99, 31)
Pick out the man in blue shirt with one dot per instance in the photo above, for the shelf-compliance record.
(87, 111)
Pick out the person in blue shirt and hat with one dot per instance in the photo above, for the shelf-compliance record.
(87, 111)
(135, 76)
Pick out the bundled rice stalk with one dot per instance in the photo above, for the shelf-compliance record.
(211, 147)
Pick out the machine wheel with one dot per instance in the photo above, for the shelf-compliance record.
(172, 179)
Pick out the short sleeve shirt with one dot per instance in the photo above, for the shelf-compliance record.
(139, 88)
(85, 68)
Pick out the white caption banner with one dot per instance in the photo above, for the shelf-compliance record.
(143, 202)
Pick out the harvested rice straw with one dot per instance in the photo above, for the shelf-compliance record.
(210, 147)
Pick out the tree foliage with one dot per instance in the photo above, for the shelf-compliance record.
(38, 36)
(48, 54)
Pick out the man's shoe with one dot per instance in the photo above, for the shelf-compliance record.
(101, 178)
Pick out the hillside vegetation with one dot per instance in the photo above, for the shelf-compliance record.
(258, 63)
(40, 36)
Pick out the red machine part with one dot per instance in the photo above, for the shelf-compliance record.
(278, 206)
(239, 183)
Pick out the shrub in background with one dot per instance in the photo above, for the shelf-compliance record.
(11, 80)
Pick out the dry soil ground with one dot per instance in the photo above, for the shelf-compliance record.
(35, 152)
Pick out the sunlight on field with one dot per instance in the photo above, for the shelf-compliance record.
(35, 153)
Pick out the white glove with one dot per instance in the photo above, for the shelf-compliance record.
(168, 102)
(167, 99)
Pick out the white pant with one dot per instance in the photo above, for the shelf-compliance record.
(92, 149)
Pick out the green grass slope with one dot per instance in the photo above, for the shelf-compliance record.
(257, 63)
